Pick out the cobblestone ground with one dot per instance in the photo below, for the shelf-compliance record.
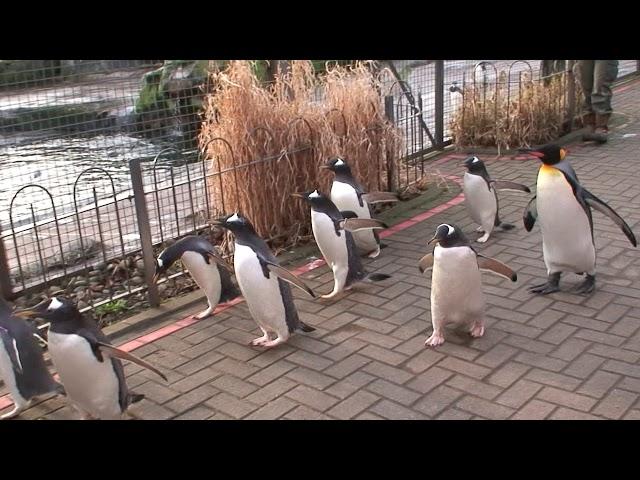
(561, 356)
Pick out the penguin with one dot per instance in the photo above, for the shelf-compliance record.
(481, 197)
(206, 267)
(22, 365)
(456, 284)
(88, 365)
(332, 232)
(563, 207)
(263, 284)
(349, 195)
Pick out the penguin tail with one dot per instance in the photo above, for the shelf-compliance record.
(306, 328)
(507, 226)
(376, 277)
(135, 397)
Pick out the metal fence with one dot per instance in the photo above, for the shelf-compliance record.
(100, 167)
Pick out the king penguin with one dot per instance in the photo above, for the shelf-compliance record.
(456, 286)
(206, 267)
(22, 365)
(349, 195)
(87, 363)
(262, 282)
(332, 232)
(481, 197)
(563, 207)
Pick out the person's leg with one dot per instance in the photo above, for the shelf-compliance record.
(606, 72)
(585, 71)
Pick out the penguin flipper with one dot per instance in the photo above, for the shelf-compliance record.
(605, 209)
(530, 214)
(116, 352)
(356, 224)
(380, 197)
(12, 349)
(426, 263)
(494, 266)
(348, 214)
(506, 185)
(286, 275)
(212, 256)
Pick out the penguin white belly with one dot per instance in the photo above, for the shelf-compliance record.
(346, 198)
(567, 244)
(91, 384)
(205, 274)
(456, 288)
(261, 294)
(480, 201)
(334, 249)
(8, 375)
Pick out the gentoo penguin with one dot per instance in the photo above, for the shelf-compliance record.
(481, 197)
(332, 232)
(349, 195)
(262, 282)
(456, 287)
(86, 361)
(563, 208)
(22, 366)
(205, 266)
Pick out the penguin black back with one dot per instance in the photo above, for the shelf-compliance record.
(200, 245)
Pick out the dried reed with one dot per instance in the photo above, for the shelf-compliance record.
(275, 137)
(507, 114)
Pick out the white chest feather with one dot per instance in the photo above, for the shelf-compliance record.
(480, 200)
(566, 234)
(334, 249)
(456, 288)
(205, 274)
(346, 198)
(261, 294)
(91, 384)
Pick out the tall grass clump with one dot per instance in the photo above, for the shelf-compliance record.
(276, 136)
(509, 114)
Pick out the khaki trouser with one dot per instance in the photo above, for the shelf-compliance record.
(596, 78)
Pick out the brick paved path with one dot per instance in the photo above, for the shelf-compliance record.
(561, 356)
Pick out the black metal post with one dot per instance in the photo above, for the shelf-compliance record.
(439, 106)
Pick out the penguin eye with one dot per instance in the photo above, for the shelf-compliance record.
(339, 162)
(234, 218)
(475, 160)
(315, 194)
(160, 262)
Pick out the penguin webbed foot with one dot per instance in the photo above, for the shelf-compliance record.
(13, 413)
(586, 287)
(552, 285)
(483, 238)
(435, 339)
(204, 314)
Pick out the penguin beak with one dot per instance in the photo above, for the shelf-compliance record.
(433, 240)
(34, 311)
(531, 151)
(156, 277)
(298, 195)
(325, 167)
(219, 222)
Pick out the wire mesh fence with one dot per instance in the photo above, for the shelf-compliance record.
(100, 164)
